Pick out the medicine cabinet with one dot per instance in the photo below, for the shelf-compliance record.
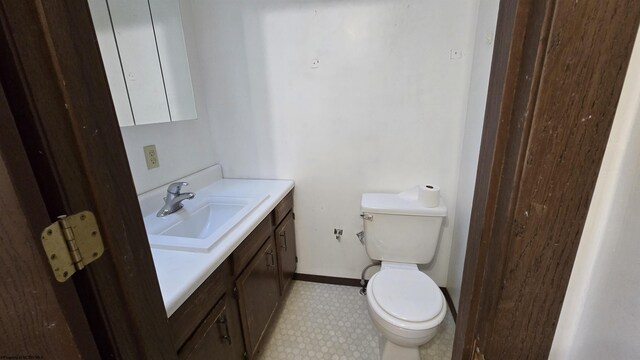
(145, 58)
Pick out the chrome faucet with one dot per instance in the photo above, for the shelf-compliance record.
(174, 199)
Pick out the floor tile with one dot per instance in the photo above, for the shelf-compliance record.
(322, 321)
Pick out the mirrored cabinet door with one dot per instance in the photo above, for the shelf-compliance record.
(111, 60)
(172, 51)
(133, 30)
(145, 57)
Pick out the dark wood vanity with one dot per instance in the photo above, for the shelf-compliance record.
(228, 315)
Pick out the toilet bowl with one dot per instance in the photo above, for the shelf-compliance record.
(407, 307)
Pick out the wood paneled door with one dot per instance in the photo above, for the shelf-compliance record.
(556, 77)
(66, 136)
(38, 313)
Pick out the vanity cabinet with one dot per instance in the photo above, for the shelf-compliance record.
(229, 314)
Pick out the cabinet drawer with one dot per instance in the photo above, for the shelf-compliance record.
(250, 246)
(283, 208)
(188, 316)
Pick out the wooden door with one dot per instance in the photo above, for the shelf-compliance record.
(258, 294)
(286, 241)
(56, 88)
(556, 77)
(40, 316)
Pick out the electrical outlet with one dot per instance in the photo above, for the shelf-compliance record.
(151, 156)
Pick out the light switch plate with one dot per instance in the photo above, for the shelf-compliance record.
(151, 156)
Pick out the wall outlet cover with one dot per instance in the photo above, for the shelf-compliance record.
(151, 156)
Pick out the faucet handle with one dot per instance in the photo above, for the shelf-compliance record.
(176, 187)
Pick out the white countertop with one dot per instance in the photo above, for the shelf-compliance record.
(180, 273)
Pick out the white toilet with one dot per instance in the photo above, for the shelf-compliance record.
(404, 303)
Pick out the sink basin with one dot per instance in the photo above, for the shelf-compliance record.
(200, 224)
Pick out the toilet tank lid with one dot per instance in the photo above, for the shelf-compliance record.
(394, 204)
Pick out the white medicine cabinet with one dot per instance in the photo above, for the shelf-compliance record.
(145, 58)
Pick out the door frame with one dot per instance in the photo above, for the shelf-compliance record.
(556, 76)
(56, 87)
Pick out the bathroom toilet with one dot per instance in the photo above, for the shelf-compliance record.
(404, 303)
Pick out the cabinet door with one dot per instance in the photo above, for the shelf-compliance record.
(258, 294)
(286, 243)
(212, 339)
(133, 29)
(111, 61)
(172, 51)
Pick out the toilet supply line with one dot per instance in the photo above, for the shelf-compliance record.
(363, 282)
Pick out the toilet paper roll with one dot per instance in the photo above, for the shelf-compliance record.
(429, 195)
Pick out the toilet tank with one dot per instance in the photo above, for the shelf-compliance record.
(400, 229)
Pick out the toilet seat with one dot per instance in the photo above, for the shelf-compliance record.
(406, 298)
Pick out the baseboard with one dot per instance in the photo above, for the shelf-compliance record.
(327, 279)
(356, 282)
(452, 308)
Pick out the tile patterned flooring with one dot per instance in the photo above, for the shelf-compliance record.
(321, 321)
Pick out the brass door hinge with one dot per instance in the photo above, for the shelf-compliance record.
(71, 243)
(477, 353)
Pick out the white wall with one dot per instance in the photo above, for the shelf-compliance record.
(480, 71)
(600, 316)
(184, 147)
(384, 109)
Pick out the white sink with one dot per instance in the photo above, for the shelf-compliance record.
(201, 223)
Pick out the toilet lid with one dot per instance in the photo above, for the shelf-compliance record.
(409, 295)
